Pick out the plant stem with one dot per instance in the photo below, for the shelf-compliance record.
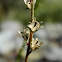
(31, 33)
(28, 48)
(32, 11)
(26, 58)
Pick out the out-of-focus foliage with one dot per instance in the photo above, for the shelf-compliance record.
(45, 10)
(49, 10)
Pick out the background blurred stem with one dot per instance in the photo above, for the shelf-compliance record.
(31, 33)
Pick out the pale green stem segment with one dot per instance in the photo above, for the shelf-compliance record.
(32, 11)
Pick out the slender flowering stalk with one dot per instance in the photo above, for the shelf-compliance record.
(32, 27)
(31, 33)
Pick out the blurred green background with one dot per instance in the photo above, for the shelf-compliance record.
(45, 10)
(14, 16)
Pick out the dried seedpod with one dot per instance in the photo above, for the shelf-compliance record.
(35, 44)
(26, 30)
(25, 34)
(34, 26)
(28, 3)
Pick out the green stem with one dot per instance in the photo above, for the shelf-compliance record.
(32, 11)
(31, 33)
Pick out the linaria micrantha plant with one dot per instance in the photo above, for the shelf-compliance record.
(32, 27)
